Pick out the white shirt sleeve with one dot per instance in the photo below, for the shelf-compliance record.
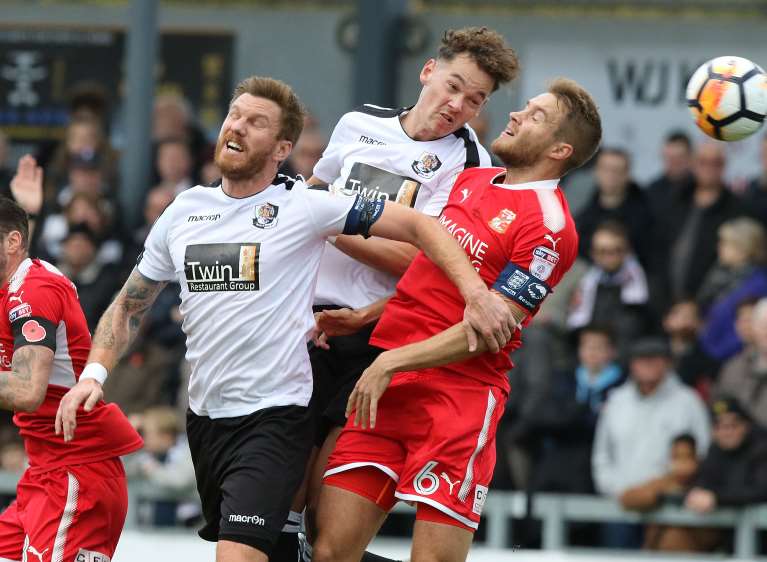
(156, 262)
(328, 211)
(329, 166)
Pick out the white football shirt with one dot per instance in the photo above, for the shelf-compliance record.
(369, 152)
(247, 269)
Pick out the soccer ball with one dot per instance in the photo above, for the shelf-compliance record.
(727, 96)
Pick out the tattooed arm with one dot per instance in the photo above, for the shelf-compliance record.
(116, 330)
(120, 323)
(23, 387)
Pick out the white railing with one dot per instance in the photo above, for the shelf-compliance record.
(554, 510)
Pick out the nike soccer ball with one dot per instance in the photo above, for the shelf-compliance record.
(727, 96)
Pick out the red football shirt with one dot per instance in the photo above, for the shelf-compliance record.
(520, 238)
(40, 307)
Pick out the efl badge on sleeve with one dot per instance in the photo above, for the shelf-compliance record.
(544, 261)
(266, 216)
(502, 221)
(19, 312)
(426, 165)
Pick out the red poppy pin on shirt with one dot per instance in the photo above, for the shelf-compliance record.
(33, 331)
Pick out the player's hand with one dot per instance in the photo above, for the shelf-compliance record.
(86, 390)
(341, 322)
(27, 185)
(488, 316)
(318, 337)
(363, 400)
(700, 500)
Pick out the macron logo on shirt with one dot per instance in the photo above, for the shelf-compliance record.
(364, 139)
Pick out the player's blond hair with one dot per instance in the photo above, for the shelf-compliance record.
(292, 112)
(581, 126)
(487, 48)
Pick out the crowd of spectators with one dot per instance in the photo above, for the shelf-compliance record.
(643, 378)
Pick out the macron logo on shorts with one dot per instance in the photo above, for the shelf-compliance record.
(252, 519)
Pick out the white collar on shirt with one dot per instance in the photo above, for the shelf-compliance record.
(541, 184)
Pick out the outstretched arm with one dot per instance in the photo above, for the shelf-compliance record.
(23, 387)
(384, 255)
(115, 332)
(449, 346)
(119, 324)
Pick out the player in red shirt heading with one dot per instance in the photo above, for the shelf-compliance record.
(72, 500)
(430, 437)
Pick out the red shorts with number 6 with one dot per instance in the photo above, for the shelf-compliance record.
(68, 514)
(434, 436)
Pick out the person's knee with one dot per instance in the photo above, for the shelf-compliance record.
(324, 550)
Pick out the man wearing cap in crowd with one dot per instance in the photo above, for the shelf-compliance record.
(734, 473)
(638, 423)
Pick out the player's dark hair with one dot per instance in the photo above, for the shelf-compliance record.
(582, 126)
(292, 114)
(486, 47)
(679, 137)
(13, 217)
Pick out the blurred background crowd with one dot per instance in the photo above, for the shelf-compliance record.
(643, 378)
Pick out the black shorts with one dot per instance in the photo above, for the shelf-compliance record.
(336, 371)
(248, 469)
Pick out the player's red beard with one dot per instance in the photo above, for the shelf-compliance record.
(239, 170)
(517, 152)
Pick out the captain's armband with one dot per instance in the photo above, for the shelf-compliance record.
(362, 215)
(522, 287)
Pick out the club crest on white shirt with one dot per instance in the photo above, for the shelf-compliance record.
(265, 216)
(426, 165)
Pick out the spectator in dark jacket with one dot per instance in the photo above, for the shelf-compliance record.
(561, 429)
(734, 472)
(613, 291)
(677, 173)
(690, 227)
(617, 198)
(96, 283)
(682, 324)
